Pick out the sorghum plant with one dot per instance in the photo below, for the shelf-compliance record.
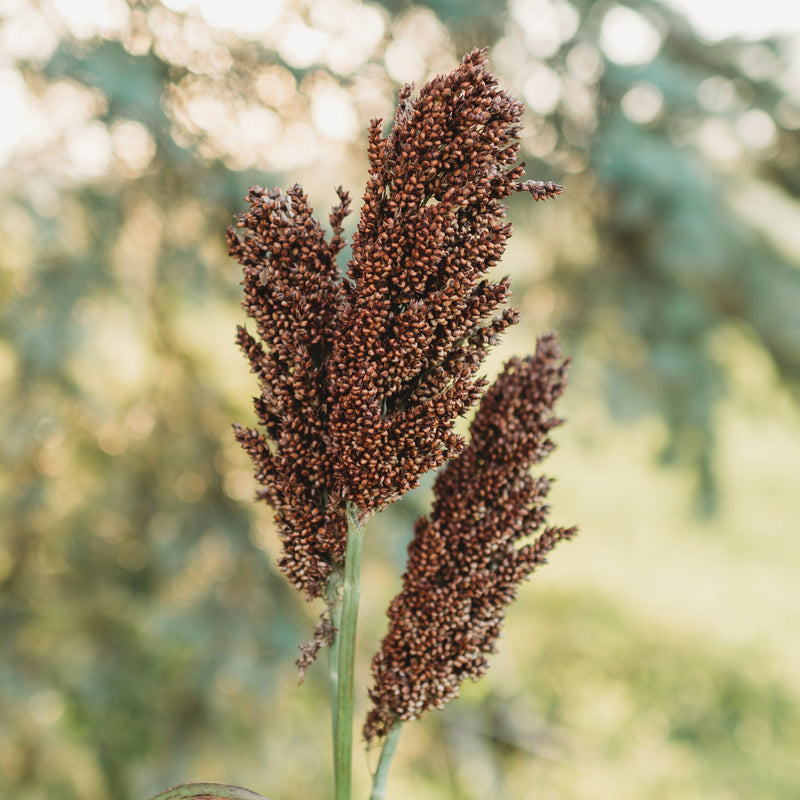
(362, 377)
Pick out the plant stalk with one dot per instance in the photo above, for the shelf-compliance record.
(345, 642)
(334, 599)
(385, 760)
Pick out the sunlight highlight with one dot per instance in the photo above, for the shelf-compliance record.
(629, 38)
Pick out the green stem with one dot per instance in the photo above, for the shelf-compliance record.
(387, 752)
(334, 599)
(346, 636)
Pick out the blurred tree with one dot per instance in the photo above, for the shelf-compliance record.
(680, 136)
(141, 617)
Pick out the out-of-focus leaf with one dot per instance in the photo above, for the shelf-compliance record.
(208, 791)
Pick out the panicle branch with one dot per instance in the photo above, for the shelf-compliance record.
(467, 558)
(418, 314)
(292, 292)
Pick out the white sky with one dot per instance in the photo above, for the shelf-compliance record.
(752, 19)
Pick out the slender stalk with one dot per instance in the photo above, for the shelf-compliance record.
(385, 760)
(346, 644)
(334, 598)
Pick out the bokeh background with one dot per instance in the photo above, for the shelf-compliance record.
(146, 637)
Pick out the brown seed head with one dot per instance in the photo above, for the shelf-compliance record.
(363, 376)
(419, 315)
(465, 561)
(292, 292)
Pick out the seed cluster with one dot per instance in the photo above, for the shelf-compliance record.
(467, 558)
(363, 376)
(292, 292)
(414, 328)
